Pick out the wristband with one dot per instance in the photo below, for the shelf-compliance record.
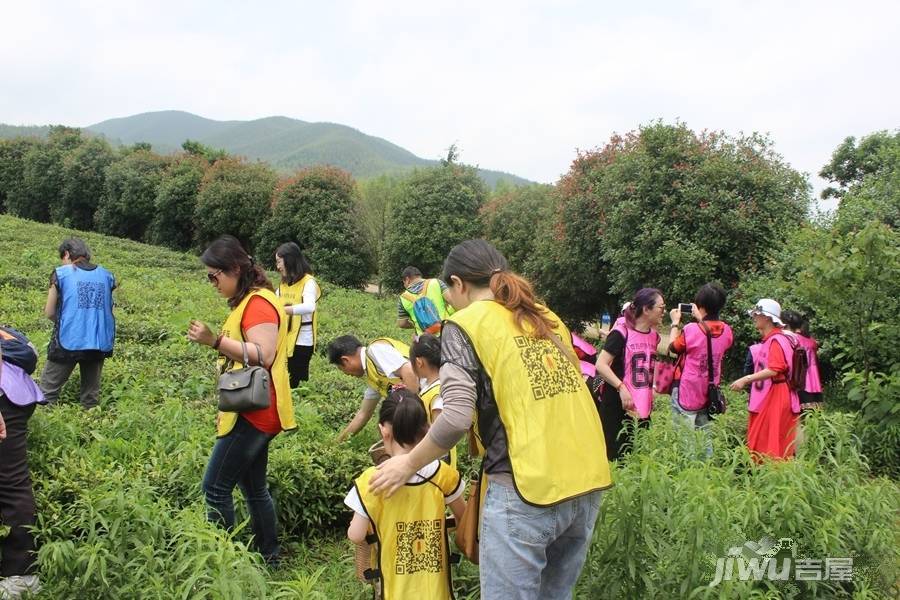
(619, 387)
(218, 341)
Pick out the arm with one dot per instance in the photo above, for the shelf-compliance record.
(405, 323)
(739, 384)
(358, 529)
(264, 334)
(308, 306)
(362, 416)
(408, 377)
(50, 306)
(604, 369)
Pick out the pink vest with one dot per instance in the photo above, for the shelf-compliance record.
(760, 362)
(639, 359)
(813, 380)
(694, 381)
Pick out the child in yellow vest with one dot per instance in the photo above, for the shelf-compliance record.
(409, 530)
(425, 357)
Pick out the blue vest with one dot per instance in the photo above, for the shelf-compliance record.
(85, 320)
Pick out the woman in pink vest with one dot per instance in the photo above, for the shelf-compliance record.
(811, 394)
(626, 366)
(774, 408)
(691, 382)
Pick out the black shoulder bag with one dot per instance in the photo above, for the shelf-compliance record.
(715, 400)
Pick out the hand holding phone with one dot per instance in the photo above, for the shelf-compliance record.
(685, 308)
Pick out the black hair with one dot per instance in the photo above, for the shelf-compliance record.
(796, 321)
(428, 347)
(405, 412)
(410, 272)
(227, 254)
(295, 264)
(77, 249)
(643, 300)
(346, 345)
(711, 298)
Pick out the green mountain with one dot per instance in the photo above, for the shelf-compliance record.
(286, 144)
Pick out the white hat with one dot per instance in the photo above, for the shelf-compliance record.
(625, 307)
(769, 308)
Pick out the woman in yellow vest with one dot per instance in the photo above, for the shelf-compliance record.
(241, 452)
(425, 357)
(300, 292)
(409, 531)
(509, 360)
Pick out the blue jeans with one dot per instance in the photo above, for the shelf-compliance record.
(240, 458)
(527, 552)
(696, 419)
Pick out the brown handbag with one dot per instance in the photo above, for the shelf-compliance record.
(467, 528)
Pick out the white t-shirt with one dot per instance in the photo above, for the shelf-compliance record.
(386, 358)
(305, 309)
(437, 403)
(355, 502)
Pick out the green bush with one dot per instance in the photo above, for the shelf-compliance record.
(234, 199)
(130, 190)
(173, 218)
(437, 208)
(83, 184)
(513, 218)
(319, 209)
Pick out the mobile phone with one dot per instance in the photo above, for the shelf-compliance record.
(685, 309)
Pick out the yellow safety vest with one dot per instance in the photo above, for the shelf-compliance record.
(377, 380)
(412, 553)
(280, 378)
(554, 437)
(432, 290)
(293, 294)
(427, 398)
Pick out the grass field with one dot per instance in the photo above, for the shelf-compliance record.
(122, 516)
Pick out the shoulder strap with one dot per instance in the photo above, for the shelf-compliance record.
(709, 363)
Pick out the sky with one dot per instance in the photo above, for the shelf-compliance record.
(518, 86)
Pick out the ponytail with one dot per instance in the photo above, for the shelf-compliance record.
(406, 414)
(516, 294)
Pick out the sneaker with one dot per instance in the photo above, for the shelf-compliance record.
(12, 588)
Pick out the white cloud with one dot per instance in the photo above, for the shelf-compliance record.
(518, 85)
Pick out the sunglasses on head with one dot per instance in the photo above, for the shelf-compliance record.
(213, 277)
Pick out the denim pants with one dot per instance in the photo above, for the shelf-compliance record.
(17, 509)
(694, 419)
(240, 459)
(529, 552)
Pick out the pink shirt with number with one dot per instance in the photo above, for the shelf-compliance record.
(692, 387)
(639, 356)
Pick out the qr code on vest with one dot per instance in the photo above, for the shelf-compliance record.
(549, 372)
(90, 294)
(419, 547)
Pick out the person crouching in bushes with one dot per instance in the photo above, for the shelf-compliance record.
(409, 530)
(774, 406)
(811, 394)
(689, 388)
(626, 366)
(241, 453)
(425, 357)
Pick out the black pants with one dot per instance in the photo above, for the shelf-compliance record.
(17, 509)
(618, 426)
(298, 364)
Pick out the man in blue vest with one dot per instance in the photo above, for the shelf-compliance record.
(79, 303)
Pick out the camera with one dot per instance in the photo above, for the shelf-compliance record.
(685, 309)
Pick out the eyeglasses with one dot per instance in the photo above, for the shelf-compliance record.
(214, 277)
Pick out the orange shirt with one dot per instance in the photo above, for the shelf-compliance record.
(257, 312)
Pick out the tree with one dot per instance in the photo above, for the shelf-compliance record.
(234, 199)
(175, 202)
(83, 184)
(850, 162)
(208, 153)
(668, 208)
(436, 209)
(512, 218)
(319, 209)
(12, 171)
(376, 200)
(874, 193)
(41, 182)
(130, 191)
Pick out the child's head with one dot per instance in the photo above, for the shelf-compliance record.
(425, 355)
(402, 420)
(343, 352)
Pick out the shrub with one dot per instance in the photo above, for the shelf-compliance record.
(513, 218)
(83, 184)
(234, 199)
(131, 187)
(318, 208)
(176, 199)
